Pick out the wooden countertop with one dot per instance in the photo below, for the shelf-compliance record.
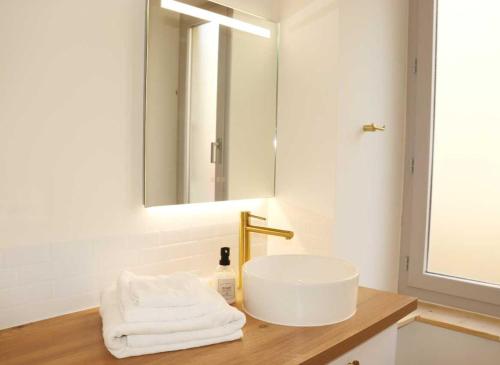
(76, 339)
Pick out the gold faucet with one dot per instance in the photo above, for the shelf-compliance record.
(245, 229)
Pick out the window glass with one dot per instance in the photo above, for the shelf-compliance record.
(464, 236)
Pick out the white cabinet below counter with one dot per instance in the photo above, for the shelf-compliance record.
(378, 350)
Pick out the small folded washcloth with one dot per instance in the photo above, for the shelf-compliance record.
(175, 290)
(132, 339)
(205, 299)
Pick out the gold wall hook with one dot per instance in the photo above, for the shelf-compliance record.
(373, 128)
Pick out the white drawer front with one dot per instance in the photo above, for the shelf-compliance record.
(378, 350)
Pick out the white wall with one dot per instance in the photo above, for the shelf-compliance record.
(342, 64)
(307, 94)
(420, 343)
(369, 179)
(71, 210)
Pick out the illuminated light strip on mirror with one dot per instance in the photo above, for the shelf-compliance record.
(214, 17)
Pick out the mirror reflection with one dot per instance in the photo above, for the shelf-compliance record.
(210, 106)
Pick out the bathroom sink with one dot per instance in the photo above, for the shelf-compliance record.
(300, 290)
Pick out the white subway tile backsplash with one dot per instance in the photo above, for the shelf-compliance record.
(157, 254)
(23, 313)
(83, 301)
(116, 254)
(120, 260)
(73, 258)
(112, 244)
(231, 241)
(76, 285)
(8, 278)
(227, 229)
(259, 249)
(108, 278)
(25, 294)
(35, 273)
(201, 232)
(173, 236)
(184, 249)
(165, 267)
(143, 240)
(27, 312)
(67, 276)
(24, 255)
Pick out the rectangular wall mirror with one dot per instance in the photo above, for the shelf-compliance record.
(210, 105)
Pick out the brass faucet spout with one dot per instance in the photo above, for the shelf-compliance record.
(270, 231)
(245, 229)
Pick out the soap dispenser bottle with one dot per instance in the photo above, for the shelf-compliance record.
(225, 278)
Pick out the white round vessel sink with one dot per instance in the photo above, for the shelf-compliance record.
(300, 290)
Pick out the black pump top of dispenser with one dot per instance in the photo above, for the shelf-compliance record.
(224, 256)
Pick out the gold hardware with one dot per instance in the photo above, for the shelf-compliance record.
(355, 362)
(245, 229)
(373, 128)
(257, 217)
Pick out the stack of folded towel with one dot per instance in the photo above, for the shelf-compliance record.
(144, 315)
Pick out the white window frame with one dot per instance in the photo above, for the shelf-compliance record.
(414, 279)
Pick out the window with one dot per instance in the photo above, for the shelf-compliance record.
(451, 227)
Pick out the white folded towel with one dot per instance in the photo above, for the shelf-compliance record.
(207, 301)
(132, 339)
(175, 290)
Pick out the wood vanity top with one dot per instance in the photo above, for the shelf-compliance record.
(76, 339)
